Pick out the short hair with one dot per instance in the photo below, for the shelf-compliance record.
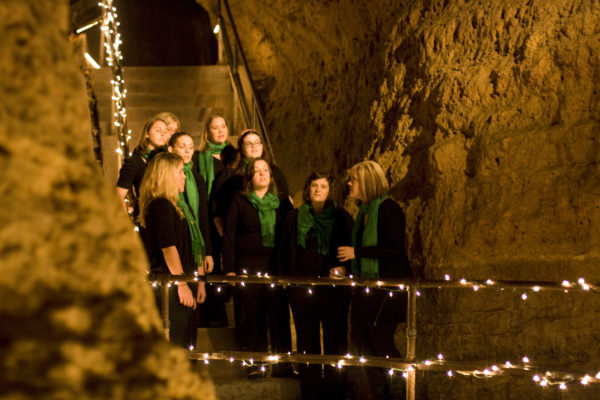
(313, 177)
(158, 182)
(169, 118)
(371, 179)
(144, 141)
(175, 137)
(206, 129)
(249, 174)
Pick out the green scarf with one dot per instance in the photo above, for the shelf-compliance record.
(206, 164)
(191, 190)
(148, 153)
(198, 245)
(369, 267)
(321, 225)
(266, 214)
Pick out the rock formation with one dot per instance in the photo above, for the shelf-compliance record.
(485, 116)
(77, 318)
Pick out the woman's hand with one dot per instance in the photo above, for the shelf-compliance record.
(186, 297)
(337, 272)
(201, 297)
(208, 264)
(231, 274)
(345, 253)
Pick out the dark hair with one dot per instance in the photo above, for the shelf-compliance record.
(249, 174)
(313, 177)
(144, 141)
(238, 165)
(176, 136)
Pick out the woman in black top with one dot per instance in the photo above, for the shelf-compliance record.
(249, 241)
(208, 162)
(310, 236)
(182, 144)
(154, 136)
(378, 251)
(230, 180)
(169, 241)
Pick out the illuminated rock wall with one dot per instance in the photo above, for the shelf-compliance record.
(77, 318)
(485, 115)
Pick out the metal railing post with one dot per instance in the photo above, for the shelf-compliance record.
(164, 303)
(411, 341)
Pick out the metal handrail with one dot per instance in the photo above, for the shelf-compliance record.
(257, 114)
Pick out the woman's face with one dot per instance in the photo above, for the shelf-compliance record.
(171, 129)
(184, 147)
(180, 178)
(158, 135)
(318, 190)
(354, 187)
(252, 146)
(262, 177)
(218, 131)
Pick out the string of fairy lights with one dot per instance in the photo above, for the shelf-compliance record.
(544, 377)
(541, 376)
(114, 56)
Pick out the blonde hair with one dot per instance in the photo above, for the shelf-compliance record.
(206, 130)
(159, 182)
(371, 180)
(168, 118)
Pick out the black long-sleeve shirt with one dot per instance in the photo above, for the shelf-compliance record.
(242, 240)
(391, 242)
(202, 211)
(294, 260)
(165, 228)
(228, 183)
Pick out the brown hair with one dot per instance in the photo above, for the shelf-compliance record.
(238, 164)
(313, 177)
(206, 130)
(144, 141)
(250, 174)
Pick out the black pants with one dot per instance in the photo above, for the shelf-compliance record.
(181, 318)
(257, 307)
(374, 318)
(212, 312)
(329, 306)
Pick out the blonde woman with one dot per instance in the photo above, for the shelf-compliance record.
(378, 251)
(170, 241)
(173, 124)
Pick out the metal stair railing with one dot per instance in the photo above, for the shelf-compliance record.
(253, 114)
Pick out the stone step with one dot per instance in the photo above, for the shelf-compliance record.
(236, 385)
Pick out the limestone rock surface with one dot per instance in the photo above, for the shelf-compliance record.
(485, 115)
(77, 319)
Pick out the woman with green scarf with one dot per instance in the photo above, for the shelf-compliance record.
(309, 239)
(194, 196)
(169, 242)
(378, 251)
(208, 162)
(249, 243)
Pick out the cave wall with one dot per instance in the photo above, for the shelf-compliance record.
(77, 318)
(485, 116)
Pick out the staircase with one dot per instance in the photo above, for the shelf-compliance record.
(189, 92)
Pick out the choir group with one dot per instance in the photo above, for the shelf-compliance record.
(220, 209)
